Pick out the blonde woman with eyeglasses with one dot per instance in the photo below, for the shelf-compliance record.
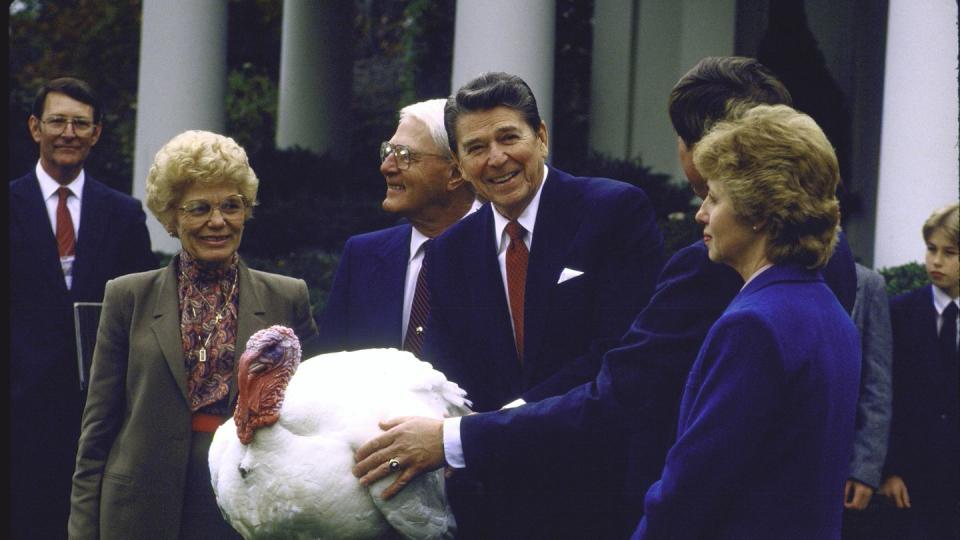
(163, 374)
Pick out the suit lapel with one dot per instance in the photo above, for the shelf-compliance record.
(558, 219)
(251, 317)
(392, 266)
(166, 326)
(93, 230)
(493, 297)
(30, 210)
(925, 330)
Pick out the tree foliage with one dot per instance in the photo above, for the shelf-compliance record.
(89, 39)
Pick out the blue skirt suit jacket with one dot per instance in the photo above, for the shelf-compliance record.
(766, 423)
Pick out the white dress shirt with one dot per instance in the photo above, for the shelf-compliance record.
(48, 188)
(940, 302)
(452, 445)
(414, 263)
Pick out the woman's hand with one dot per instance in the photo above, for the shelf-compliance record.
(896, 489)
(416, 443)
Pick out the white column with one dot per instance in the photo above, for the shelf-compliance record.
(182, 84)
(611, 77)
(505, 35)
(315, 75)
(918, 142)
(672, 37)
(640, 49)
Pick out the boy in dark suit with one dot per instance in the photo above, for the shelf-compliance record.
(921, 470)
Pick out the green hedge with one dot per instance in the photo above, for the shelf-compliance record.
(905, 277)
(318, 267)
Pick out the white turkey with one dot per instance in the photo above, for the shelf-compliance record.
(282, 467)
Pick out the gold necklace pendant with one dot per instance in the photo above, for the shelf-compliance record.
(202, 355)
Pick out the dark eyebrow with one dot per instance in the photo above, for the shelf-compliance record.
(505, 129)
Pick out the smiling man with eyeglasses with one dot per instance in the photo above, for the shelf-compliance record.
(69, 235)
(374, 301)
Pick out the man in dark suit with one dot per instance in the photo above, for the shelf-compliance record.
(637, 392)
(69, 234)
(589, 251)
(373, 291)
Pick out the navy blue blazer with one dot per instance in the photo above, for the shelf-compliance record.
(924, 432)
(768, 411)
(365, 306)
(602, 227)
(46, 402)
(637, 390)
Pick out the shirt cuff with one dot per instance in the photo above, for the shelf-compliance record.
(515, 403)
(452, 447)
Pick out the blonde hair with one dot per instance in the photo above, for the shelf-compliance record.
(780, 171)
(197, 157)
(946, 218)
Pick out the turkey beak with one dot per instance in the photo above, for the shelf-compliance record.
(256, 367)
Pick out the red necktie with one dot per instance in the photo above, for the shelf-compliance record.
(419, 310)
(517, 256)
(65, 239)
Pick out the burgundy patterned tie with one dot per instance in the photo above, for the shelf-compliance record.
(65, 238)
(419, 310)
(517, 256)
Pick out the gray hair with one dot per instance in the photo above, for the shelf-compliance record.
(430, 112)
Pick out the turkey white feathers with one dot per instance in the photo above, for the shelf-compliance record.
(292, 478)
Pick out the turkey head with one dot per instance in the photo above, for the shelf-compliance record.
(270, 360)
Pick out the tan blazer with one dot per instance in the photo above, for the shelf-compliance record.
(135, 435)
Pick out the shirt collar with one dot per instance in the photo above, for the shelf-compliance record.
(526, 219)
(417, 240)
(49, 186)
(759, 271)
(941, 299)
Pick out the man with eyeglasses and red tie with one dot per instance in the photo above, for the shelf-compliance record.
(69, 234)
(379, 296)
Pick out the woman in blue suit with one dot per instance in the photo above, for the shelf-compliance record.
(766, 422)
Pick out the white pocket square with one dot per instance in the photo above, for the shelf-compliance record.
(568, 273)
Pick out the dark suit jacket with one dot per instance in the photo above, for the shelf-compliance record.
(605, 229)
(871, 315)
(637, 391)
(136, 435)
(365, 307)
(768, 411)
(924, 433)
(46, 402)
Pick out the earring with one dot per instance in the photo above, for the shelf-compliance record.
(754, 228)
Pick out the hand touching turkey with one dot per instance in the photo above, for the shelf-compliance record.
(282, 468)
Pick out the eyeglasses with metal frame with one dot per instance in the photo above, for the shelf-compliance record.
(405, 156)
(57, 125)
(231, 208)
